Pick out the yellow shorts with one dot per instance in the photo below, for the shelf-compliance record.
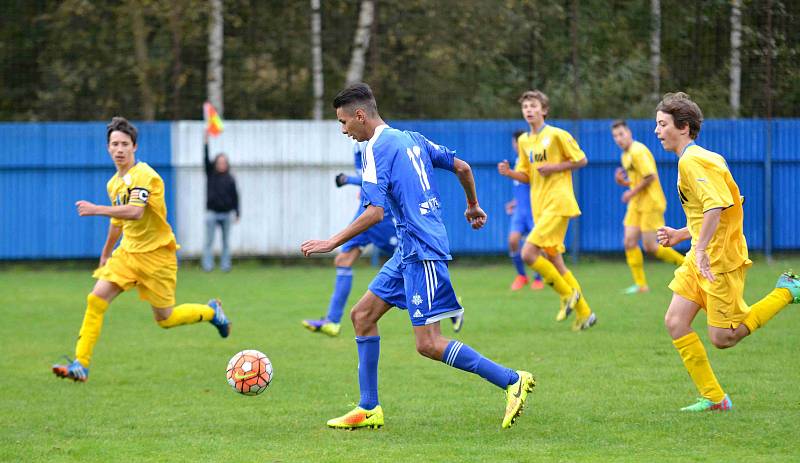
(644, 221)
(722, 299)
(153, 273)
(548, 233)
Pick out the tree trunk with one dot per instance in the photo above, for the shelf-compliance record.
(655, 48)
(736, 63)
(175, 14)
(215, 48)
(316, 59)
(576, 80)
(355, 72)
(142, 61)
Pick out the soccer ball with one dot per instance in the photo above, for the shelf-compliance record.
(249, 372)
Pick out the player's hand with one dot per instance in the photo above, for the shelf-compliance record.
(666, 237)
(510, 206)
(475, 216)
(316, 247)
(341, 180)
(620, 177)
(626, 197)
(703, 264)
(503, 168)
(547, 169)
(85, 208)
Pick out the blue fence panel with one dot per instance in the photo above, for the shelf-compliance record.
(785, 183)
(46, 167)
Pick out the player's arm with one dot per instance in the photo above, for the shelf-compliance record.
(638, 188)
(619, 177)
(669, 237)
(206, 157)
(474, 214)
(548, 168)
(126, 212)
(504, 169)
(575, 158)
(114, 232)
(368, 218)
(707, 229)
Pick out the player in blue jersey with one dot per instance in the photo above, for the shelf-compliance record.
(397, 173)
(521, 224)
(382, 236)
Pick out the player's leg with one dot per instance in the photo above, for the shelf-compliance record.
(650, 223)
(535, 258)
(331, 323)
(225, 227)
(584, 317)
(208, 246)
(521, 280)
(635, 259)
(787, 291)
(678, 321)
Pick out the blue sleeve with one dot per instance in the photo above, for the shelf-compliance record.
(375, 176)
(354, 179)
(441, 156)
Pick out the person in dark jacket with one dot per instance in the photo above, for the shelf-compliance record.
(222, 202)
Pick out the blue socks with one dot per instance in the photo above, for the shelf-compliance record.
(369, 349)
(461, 356)
(341, 289)
(516, 257)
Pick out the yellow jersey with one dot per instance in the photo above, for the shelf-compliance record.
(638, 163)
(141, 186)
(705, 183)
(551, 195)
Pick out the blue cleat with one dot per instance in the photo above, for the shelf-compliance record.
(74, 370)
(220, 320)
(790, 281)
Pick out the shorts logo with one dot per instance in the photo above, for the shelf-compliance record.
(417, 314)
(416, 300)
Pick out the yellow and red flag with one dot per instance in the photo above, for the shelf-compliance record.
(213, 122)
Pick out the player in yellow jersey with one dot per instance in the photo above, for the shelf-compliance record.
(646, 205)
(146, 257)
(713, 274)
(546, 158)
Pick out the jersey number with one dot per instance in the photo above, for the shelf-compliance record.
(416, 158)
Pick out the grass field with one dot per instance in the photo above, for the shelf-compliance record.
(608, 394)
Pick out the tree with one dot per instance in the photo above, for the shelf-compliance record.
(215, 49)
(736, 63)
(142, 69)
(355, 72)
(655, 48)
(316, 59)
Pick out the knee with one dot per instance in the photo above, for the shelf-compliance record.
(723, 340)
(529, 254)
(360, 318)
(650, 248)
(427, 348)
(339, 260)
(675, 325)
(629, 242)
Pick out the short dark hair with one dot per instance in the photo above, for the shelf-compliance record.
(120, 124)
(517, 134)
(357, 94)
(619, 123)
(684, 112)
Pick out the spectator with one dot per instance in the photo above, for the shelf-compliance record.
(222, 200)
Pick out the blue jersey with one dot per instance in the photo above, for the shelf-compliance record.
(397, 174)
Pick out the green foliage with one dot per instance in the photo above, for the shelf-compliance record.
(608, 394)
(75, 59)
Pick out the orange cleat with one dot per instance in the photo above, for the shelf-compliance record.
(519, 282)
(537, 284)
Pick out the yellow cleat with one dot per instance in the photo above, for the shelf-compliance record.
(567, 305)
(580, 324)
(515, 397)
(359, 418)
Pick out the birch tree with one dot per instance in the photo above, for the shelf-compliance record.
(215, 48)
(736, 63)
(142, 67)
(366, 16)
(655, 47)
(316, 59)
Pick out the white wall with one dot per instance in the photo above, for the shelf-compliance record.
(284, 172)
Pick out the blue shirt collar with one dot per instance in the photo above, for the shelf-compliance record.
(691, 143)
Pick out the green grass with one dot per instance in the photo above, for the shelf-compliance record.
(608, 394)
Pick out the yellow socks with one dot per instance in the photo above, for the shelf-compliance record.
(636, 263)
(185, 314)
(551, 276)
(582, 309)
(669, 255)
(696, 362)
(762, 311)
(90, 329)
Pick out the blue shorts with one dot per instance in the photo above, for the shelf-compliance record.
(521, 222)
(423, 288)
(383, 235)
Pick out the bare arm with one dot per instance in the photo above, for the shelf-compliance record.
(371, 216)
(504, 169)
(669, 237)
(474, 214)
(638, 188)
(114, 233)
(548, 168)
(707, 229)
(127, 212)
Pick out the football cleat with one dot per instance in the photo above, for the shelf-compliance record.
(790, 281)
(635, 289)
(220, 321)
(515, 397)
(585, 323)
(519, 282)
(567, 305)
(74, 370)
(705, 405)
(537, 284)
(323, 325)
(359, 418)
(458, 322)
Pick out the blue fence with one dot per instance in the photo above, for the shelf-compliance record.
(45, 167)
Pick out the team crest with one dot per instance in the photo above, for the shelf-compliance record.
(416, 300)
